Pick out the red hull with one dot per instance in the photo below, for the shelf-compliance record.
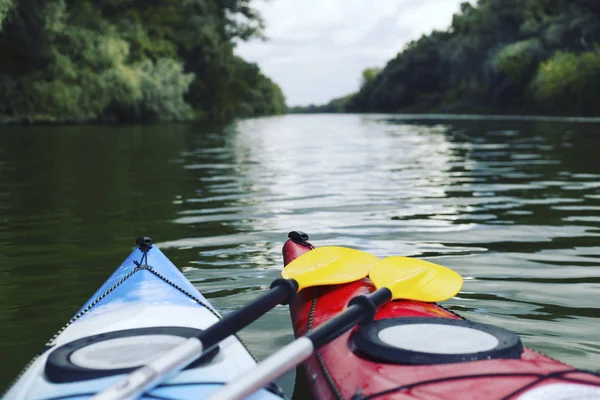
(339, 373)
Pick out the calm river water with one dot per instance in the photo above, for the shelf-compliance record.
(512, 205)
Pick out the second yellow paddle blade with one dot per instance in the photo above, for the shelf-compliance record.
(330, 265)
(414, 279)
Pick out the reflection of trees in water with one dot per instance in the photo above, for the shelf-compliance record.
(534, 165)
(73, 200)
(340, 176)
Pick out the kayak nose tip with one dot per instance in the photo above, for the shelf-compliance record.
(298, 236)
(296, 246)
(144, 242)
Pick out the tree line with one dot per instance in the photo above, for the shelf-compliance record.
(130, 60)
(497, 56)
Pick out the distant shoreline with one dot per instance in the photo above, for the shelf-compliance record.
(465, 117)
(7, 121)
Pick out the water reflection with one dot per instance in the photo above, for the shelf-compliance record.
(513, 205)
(503, 202)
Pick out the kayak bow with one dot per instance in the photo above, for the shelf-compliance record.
(146, 308)
(324, 266)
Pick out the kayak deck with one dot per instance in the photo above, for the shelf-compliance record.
(145, 308)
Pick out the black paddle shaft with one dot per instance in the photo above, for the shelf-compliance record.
(361, 309)
(282, 292)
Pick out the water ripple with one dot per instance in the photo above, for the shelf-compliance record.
(512, 204)
(504, 202)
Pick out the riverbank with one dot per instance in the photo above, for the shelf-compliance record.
(497, 57)
(73, 62)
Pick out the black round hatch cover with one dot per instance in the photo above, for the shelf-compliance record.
(116, 352)
(426, 341)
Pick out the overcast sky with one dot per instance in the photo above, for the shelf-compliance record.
(317, 49)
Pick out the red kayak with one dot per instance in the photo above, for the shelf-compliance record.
(415, 350)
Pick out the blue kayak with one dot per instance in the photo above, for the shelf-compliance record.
(144, 309)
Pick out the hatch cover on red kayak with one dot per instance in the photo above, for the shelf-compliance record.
(426, 341)
(117, 352)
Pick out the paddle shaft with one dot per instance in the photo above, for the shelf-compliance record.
(361, 309)
(282, 292)
(144, 378)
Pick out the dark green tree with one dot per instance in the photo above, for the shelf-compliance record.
(131, 60)
(501, 56)
(5, 5)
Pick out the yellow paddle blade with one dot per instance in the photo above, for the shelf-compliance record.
(330, 265)
(414, 279)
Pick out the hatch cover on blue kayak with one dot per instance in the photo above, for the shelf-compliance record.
(426, 341)
(117, 352)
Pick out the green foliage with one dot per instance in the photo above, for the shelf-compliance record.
(5, 6)
(568, 83)
(162, 87)
(519, 59)
(497, 56)
(414, 72)
(369, 75)
(131, 60)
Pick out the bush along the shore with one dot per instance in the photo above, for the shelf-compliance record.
(498, 56)
(117, 60)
